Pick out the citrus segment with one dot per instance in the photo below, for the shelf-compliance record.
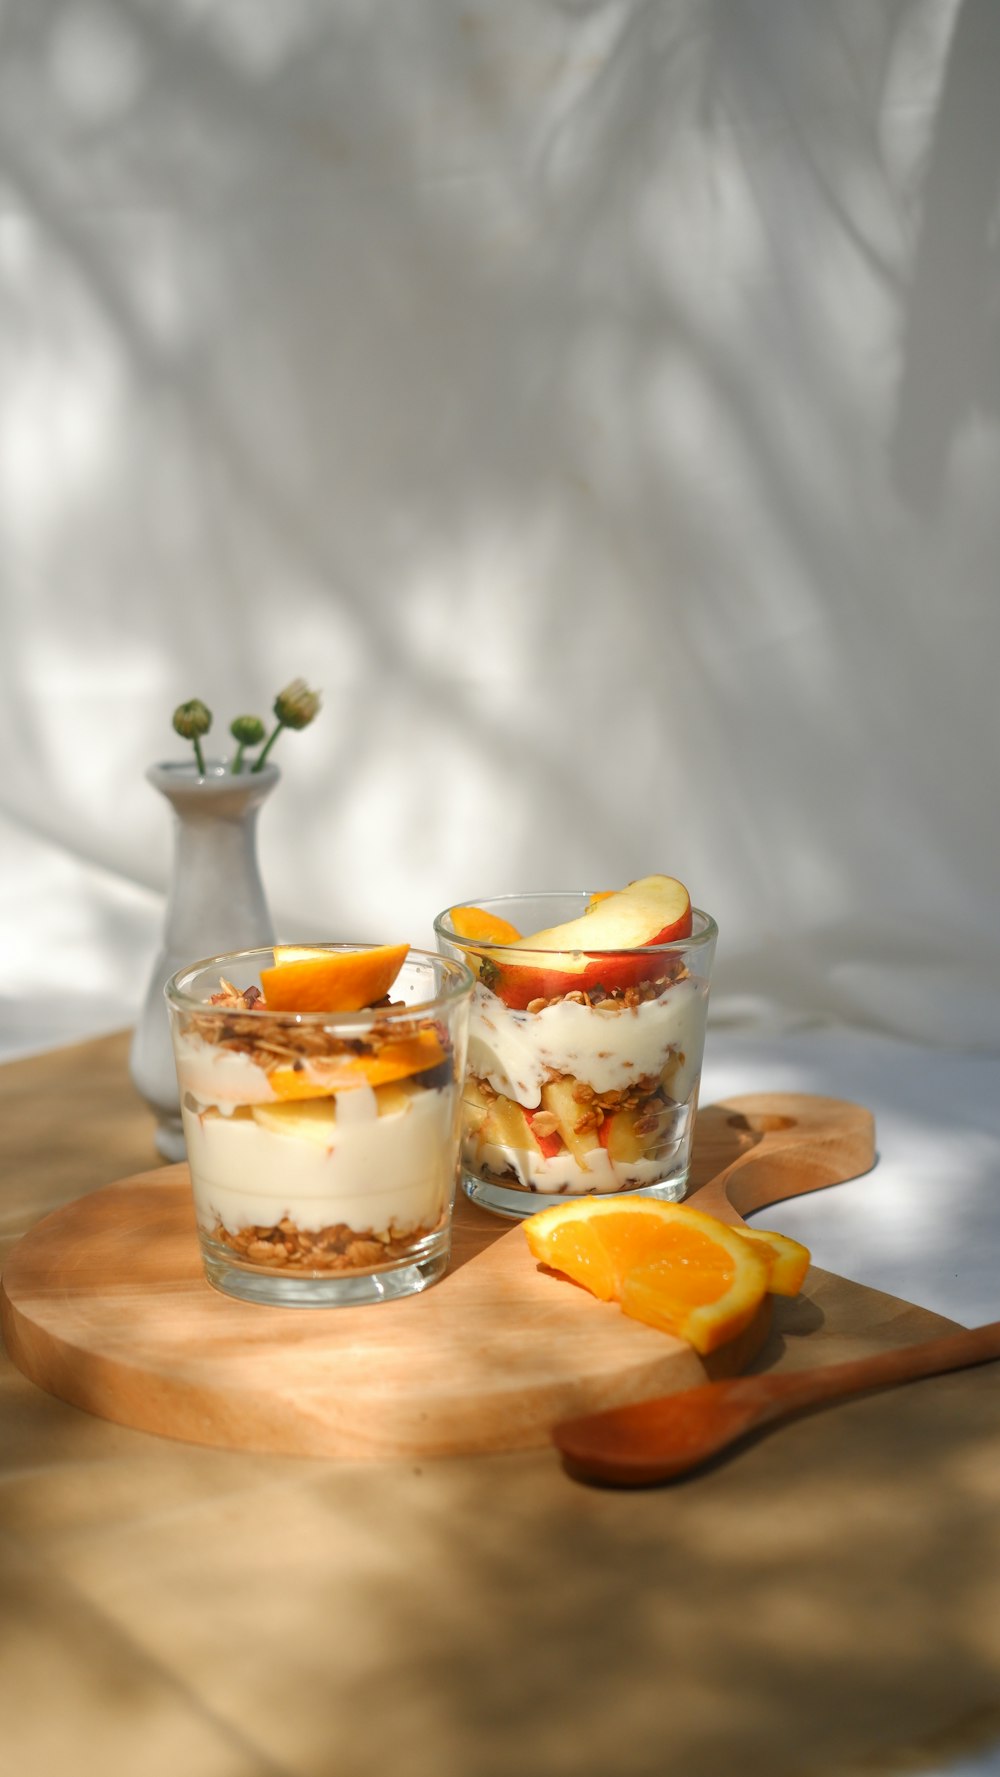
(332, 980)
(394, 1061)
(289, 1083)
(479, 926)
(788, 1259)
(705, 1304)
(668, 1264)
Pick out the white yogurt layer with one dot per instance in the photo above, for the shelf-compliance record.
(218, 1076)
(393, 1172)
(561, 1173)
(514, 1051)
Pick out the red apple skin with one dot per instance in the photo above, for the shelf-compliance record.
(518, 984)
(549, 1144)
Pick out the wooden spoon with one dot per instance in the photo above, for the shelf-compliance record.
(656, 1440)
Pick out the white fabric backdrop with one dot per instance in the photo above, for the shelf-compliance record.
(598, 400)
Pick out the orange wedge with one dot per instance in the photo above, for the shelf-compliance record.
(667, 1264)
(481, 927)
(331, 980)
(394, 1061)
(788, 1259)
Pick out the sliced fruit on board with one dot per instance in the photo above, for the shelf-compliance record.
(667, 1264)
(707, 1291)
(331, 980)
(789, 1260)
(654, 910)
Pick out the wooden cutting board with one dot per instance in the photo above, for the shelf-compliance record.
(104, 1304)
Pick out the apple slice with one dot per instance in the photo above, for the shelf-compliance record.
(395, 1096)
(653, 910)
(315, 1120)
(549, 1144)
(557, 1097)
(618, 1135)
(475, 1108)
(507, 1126)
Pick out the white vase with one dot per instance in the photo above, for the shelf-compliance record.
(215, 904)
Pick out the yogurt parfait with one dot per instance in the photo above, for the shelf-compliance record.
(586, 1040)
(320, 1099)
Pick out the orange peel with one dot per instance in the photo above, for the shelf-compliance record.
(304, 980)
(479, 927)
(666, 1264)
(395, 1060)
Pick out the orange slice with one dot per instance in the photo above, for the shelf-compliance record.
(480, 927)
(395, 1060)
(789, 1260)
(331, 980)
(667, 1264)
(291, 1083)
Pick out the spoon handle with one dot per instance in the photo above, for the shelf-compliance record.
(881, 1369)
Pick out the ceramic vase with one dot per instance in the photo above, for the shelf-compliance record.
(216, 903)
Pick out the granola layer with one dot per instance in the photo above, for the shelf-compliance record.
(336, 1248)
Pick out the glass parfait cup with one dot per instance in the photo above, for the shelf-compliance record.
(323, 1147)
(583, 1069)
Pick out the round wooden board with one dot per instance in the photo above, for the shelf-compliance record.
(105, 1305)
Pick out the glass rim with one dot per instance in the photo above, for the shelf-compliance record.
(459, 984)
(493, 946)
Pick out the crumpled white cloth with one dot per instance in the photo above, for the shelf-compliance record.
(594, 398)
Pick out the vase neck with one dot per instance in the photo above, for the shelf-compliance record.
(216, 901)
(219, 795)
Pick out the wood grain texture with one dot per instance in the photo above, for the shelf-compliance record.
(104, 1304)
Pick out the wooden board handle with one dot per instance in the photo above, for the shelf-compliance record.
(764, 1147)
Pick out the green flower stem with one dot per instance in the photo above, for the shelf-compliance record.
(198, 755)
(238, 761)
(262, 755)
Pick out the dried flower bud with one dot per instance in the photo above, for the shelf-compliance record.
(296, 705)
(249, 732)
(192, 719)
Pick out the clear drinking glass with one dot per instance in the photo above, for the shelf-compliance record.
(323, 1147)
(591, 1084)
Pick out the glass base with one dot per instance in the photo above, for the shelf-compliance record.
(278, 1289)
(504, 1200)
